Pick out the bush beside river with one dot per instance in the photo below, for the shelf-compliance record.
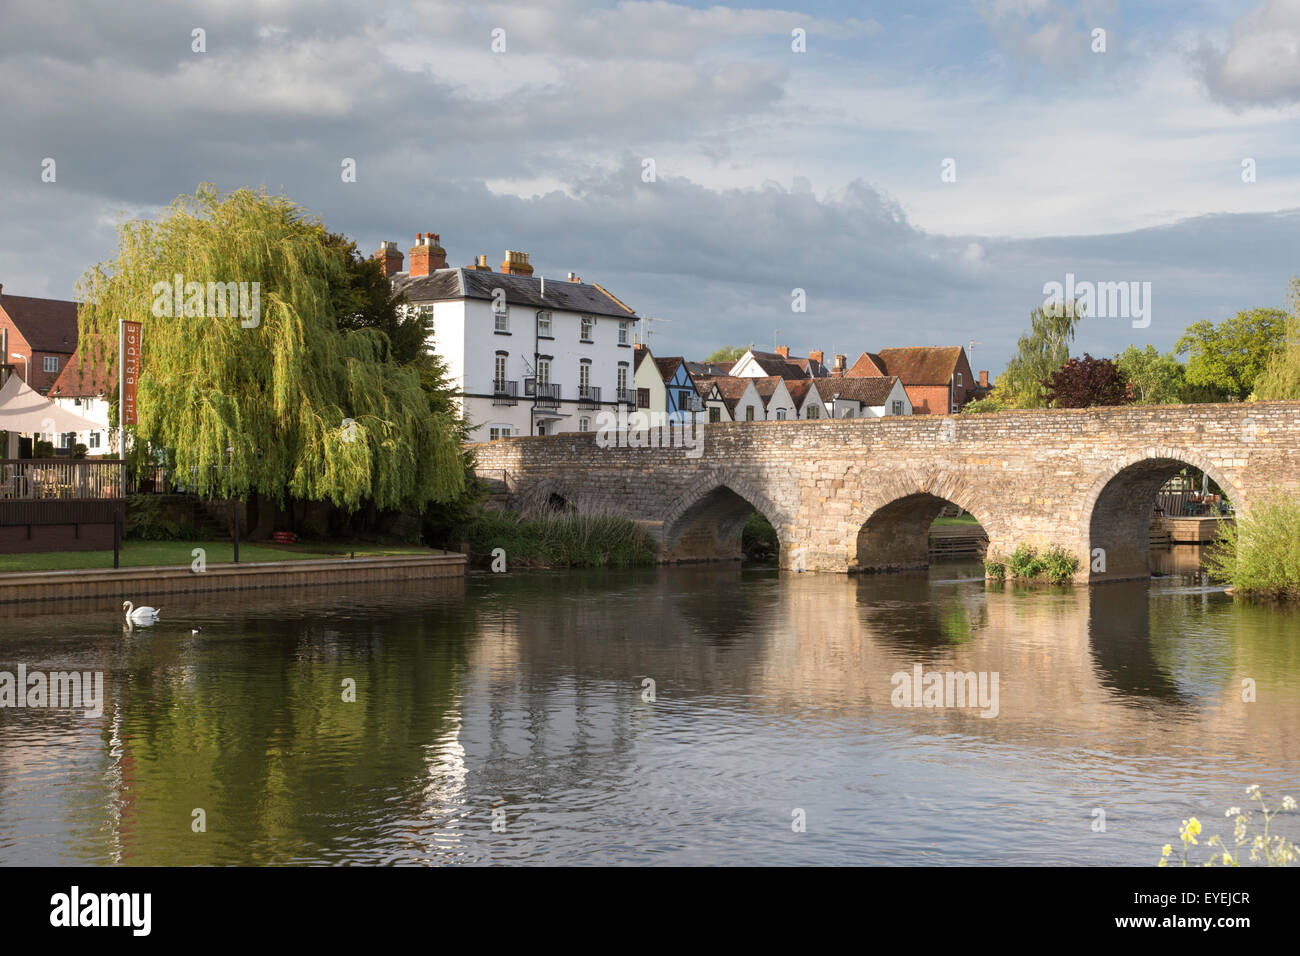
(1259, 554)
(556, 539)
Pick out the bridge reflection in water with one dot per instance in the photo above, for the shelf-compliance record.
(525, 694)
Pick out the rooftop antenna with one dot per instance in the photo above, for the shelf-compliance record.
(775, 333)
(970, 347)
(647, 320)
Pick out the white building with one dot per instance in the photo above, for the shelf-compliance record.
(84, 389)
(526, 355)
(864, 397)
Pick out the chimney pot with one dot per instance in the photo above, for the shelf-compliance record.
(841, 364)
(427, 255)
(389, 258)
(819, 357)
(783, 351)
(516, 263)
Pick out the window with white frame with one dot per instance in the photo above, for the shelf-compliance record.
(622, 378)
(500, 431)
(780, 414)
(898, 407)
(955, 408)
(814, 411)
(503, 319)
(499, 371)
(584, 424)
(623, 332)
(584, 378)
(749, 413)
(93, 440)
(587, 324)
(544, 324)
(957, 379)
(848, 413)
(51, 363)
(543, 371)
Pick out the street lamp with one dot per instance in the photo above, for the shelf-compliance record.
(27, 369)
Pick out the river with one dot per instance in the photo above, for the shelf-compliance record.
(509, 719)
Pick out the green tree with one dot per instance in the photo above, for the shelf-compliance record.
(1225, 359)
(290, 402)
(728, 353)
(1280, 377)
(1039, 353)
(1156, 379)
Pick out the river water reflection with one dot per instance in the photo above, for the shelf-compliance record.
(521, 698)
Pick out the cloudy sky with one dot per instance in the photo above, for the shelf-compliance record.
(821, 170)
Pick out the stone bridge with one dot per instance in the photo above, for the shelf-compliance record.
(860, 494)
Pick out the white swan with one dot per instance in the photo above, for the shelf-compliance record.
(139, 615)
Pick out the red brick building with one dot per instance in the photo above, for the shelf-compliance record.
(42, 334)
(938, 379)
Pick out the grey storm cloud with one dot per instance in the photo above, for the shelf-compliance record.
(1260, 66)
(435, 121)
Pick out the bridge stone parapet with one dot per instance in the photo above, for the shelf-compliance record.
(859, 494)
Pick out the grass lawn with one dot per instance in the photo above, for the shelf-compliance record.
(960, 520)
(143, 553)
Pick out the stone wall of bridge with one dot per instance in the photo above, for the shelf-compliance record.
(859, 494)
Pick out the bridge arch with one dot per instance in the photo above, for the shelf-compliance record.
(706, 520)
(1116, 514)
(896, 532)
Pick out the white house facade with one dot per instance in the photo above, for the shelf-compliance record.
(525, 355)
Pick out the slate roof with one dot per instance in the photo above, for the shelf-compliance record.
(48, 325)
(773, 363)
(710, 369)
(872, 391)
(445, 284)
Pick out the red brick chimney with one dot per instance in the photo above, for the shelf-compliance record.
(390, 258)
(841, 365)
(481, 264)
(783, 351)
(819, 357)
(516, 264)
(984, 379)
(427, 255)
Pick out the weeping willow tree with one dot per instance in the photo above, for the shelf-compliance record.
(1281, 375)
(248, 385)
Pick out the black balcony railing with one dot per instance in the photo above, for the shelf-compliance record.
(545, 396)
(505, 392)
(627, 396)
(588, 396)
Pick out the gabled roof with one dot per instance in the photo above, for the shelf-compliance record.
(83, 377)
(773, 363)
(868, 363)
(445, 284)
(922, 364)
(668, 367)
(48, 325)
(639, 354)
(872, 391)
(731, 389)
(800, 389)
(766, 386)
